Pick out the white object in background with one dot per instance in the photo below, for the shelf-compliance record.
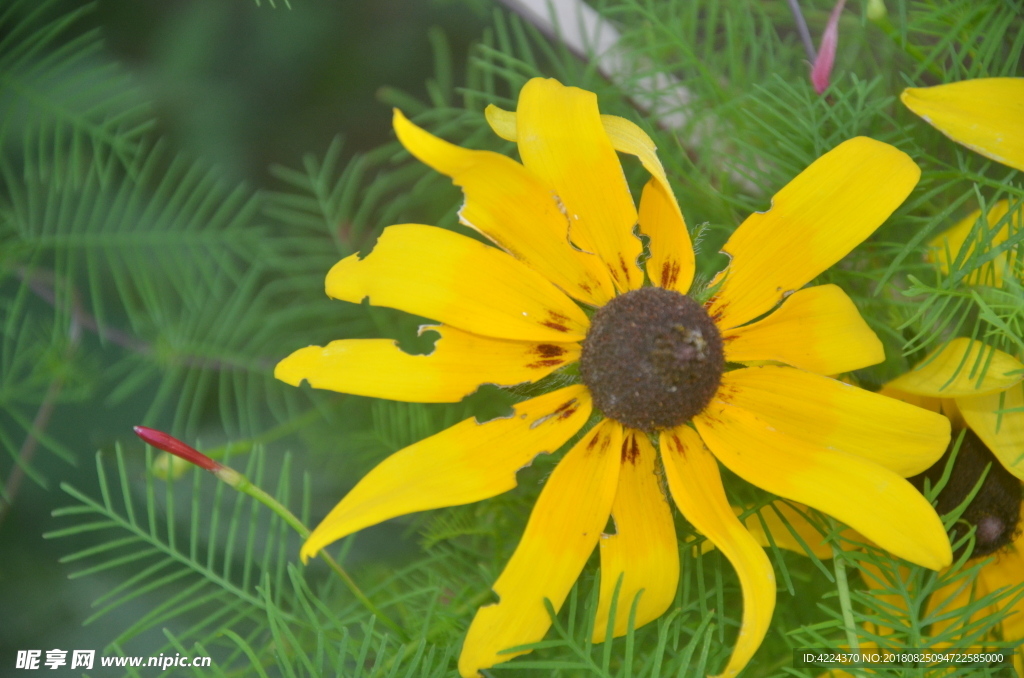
(584, 32)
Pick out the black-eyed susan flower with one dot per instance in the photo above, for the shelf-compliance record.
(983, 114)
(655, 363)
(990, 525)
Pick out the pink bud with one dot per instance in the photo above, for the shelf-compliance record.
(169, 443)
(822, 68)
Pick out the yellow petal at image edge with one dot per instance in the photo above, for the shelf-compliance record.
(696, 487)
(1002, 572)
(562, 141)
(513, 208)
(954, 370)
(643, 549)
(818, 329)
(463, 464)
(998, 419)
(945, 248)
(564, 527)
(871, 499)
(672, 261)
(814, 221)
(445, 276)
(458, 365)
(983, 114)
(833, 415)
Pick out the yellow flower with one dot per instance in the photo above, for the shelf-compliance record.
(652, 361)
(992, 411)
(984, 115)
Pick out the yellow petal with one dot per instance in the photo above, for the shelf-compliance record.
(817, 329)
(643, 550)
(502, 122)
(833, 415)
(946, 246)
(672, 262)
(459, 363)
(954, 370)
(983, 114)
(564, 527)
(442, 275)
(562, 141)
(782, 530)
(998, 419)
(513, 208)
(814, 221)
(869, 498)
(462, 464)
(1003, 572)
(696, 487)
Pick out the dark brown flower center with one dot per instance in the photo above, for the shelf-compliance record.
(995, 510)
(652, 358)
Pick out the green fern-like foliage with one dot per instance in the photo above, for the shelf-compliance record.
(140, 278)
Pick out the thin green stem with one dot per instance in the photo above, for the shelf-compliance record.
(843, 587)
(243, 484)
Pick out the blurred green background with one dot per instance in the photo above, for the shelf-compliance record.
(242, 87)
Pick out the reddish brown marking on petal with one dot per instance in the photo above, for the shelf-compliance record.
(669, 273)
(726, 393)
(678, 445)
(557, 321)
(717, 315)
(625, 267)
(549, 350)
(564, 406)
(586, 288)
(593, 442)
(550, 362)
(569, 412)
(630, 449)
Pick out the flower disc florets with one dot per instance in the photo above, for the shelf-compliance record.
(652, 358)
(995, 510)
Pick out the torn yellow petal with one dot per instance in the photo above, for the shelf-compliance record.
(442, 275)
(998, 419)
(945, 248)
(983, 114)
(513, 208)
(459, 363)
(866, 496)
(564, 527)
(817, 329)
(562, 141)
(832, 415)
(672, 262)
(814, 221)
(696, 487)
(954, 370)
(460, 465)
(643, 550)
